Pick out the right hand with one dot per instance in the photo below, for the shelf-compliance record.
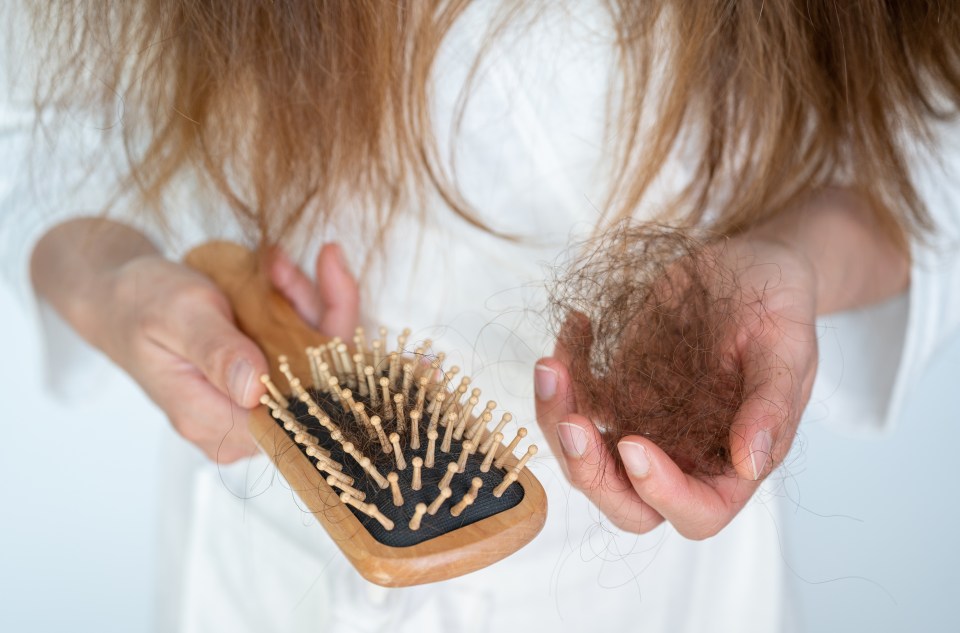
(173, 331)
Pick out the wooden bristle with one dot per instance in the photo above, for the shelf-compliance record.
(464, 456)
(346, 396)
(381, 435)
(418, 513)
(347, 372)
(385, 391)
(431, 448)
(394, 368)
(445, 494)
(369, 509)
(448, 476)
(448, 432)
(333, 387)
(417, 465)
(491, 453)
(360, 340)
(334, 356)
(371, 385)
(373, 472)
(421, 395)
(338, 483)
(475, 432)
(377, 354)
(395, 488)
(272, 388)
(269, 402)
(398, 400)
(365, 420)
(359, 368)
(407, 379)
(435, 414)
(512, 446)
(415, 430)
(507, 481)
(464, 416)
(468, 498)
(531, 451)
(397, 451)
(497, 429)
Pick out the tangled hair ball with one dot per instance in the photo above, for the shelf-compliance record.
(647, 317)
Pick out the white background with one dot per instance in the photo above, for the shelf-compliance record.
(869, 533)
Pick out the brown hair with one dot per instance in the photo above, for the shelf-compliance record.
(646, 318)
(285, 107)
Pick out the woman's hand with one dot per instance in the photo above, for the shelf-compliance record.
(821, 258)
(172, 329)
(777, 349)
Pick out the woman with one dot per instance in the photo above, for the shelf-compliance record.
(291, 124)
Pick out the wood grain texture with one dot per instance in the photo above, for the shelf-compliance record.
(267, 318)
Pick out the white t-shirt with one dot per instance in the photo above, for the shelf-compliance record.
(243, 556)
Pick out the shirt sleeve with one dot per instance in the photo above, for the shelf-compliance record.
(935, 276)
(871, 360)
(54, 164)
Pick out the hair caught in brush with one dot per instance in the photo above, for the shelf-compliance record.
(647, 316)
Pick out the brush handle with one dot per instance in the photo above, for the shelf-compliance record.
(261, 312)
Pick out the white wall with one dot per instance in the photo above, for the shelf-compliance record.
(78, 486)
(872, 527)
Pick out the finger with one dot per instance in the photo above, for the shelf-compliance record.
(583, 455)
(202, 332)
(199, 412)
(554, 399)
(339, 294)
(696, 508)
(762, 430)
(592, 469)
(293, 284)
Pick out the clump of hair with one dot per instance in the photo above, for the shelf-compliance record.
(647, 316)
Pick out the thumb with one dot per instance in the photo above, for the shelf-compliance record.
(764, 417)
(209, 340)
(339, 294)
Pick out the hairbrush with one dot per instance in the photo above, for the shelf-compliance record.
(407, 473)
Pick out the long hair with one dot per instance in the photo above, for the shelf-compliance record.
(285, 108)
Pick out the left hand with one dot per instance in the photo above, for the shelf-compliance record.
(777, 349)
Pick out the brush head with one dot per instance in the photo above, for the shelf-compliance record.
(407, 453)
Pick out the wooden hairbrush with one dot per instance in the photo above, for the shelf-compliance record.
(406, 478)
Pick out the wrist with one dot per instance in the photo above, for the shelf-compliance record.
(854, 262)
(76, 264)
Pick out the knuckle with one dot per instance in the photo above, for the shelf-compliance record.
(229, 455)
(699, 532)
(583, 478)
(218, 354)
(634, 525)
(189, 430)
(190, 296)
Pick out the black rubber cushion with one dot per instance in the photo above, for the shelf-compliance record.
(442, 522)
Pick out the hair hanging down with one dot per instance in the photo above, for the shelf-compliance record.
(290, 106)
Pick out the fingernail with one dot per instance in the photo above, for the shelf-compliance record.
(240, 380)
(545, 382)
(760, 452)
(573, 439)
(635, 458)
